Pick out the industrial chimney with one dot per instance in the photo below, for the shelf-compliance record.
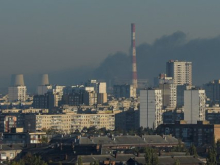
(18, 80)
(133, 53)
(44, 79)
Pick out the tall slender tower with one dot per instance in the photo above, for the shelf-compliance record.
(133, 53)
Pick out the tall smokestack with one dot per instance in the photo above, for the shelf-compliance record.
(19, 80)
(133, 52)
(44, 79)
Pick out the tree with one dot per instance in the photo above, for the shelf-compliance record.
(180, 147)
(151, 157)
(33, 160)
(177, 162)
(95, 162)
(79, 161)
(193, 151)
(44, 139)
(211, 158)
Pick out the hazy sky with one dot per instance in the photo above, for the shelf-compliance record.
(44, 35)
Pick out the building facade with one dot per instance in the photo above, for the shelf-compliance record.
(69, 122)
(181, 71)
(198, 134)
(150, 108)
(194, 105)
(168, 95)
(126, 91)
(17, 93)
(212, 90)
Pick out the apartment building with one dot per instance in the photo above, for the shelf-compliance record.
(69, 122)
(200, 133)
(194, 105)
(150, 108)
(181, 71)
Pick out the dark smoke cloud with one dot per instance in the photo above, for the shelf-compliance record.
(152, 58)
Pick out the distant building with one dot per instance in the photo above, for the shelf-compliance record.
(162, 79)
(194, 105)
(9, 123)
(102, 98)
(43, 89)
(180, 71)
(171, 116)
(212, 90)
(90, 98)
(126, 91)
(46, 101)
(127, 120)
(17, 92)
(150, 108)
(212, 114)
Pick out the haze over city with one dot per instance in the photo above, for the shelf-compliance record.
(109, 82)
(72, 40)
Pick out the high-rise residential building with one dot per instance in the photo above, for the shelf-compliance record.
(17, 92)
(181, 71)
(168, 95)
(150, 108)
(194, 105)
(126, 91)
(212, 90)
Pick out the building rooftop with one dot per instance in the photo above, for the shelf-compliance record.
(146, 139)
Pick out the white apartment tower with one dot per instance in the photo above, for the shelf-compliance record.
(150, 108)
(181, 71)
(194, 105)
(18, 91)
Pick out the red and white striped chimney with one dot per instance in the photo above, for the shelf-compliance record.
(133, 52)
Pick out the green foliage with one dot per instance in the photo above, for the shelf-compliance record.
(79, 161)
(44, 139)
(95, 162)
(211, 158)
(180, 147)
(151, 157)
(50, 131)
(29, 159)
(20, 162)
(193, 151)
(177, 162)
